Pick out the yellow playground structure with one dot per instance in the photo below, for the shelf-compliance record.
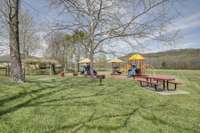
(116, 68)
(138, 60)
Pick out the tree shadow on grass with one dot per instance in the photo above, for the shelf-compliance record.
(24, 94)
(74, 103)
(42, 85)
(39, 93)
(125, 120)
(157, 120)
(95, 95)
(75, 127)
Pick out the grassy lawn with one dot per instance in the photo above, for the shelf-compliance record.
(62, 105)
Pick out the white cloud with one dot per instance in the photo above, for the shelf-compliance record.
(185, 23)
(181, 24)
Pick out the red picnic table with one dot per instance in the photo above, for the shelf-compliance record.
(156, 80)
(164, 79)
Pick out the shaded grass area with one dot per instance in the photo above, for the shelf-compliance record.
(51, 105)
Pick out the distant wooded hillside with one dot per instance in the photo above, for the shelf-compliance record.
(173, 59)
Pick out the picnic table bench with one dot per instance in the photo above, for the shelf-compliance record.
(175, 83)
(148, 83)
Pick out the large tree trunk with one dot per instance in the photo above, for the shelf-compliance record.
(16, 66)
(91, 57)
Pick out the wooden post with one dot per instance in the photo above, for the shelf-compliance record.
(50, 70)
(24, 73)
(65, 66)
(100, 81)
(6, 71)
(112, 68)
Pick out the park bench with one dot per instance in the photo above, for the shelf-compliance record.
(99, 77)
(75, 73)
(175, 83)
(116, 73)
(148, 83)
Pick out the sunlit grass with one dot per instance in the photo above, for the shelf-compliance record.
(49, 105)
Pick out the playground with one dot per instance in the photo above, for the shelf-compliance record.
(134, 69)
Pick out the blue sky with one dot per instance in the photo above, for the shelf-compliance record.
(188, 23)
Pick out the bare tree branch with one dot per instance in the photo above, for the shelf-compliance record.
(105, 20)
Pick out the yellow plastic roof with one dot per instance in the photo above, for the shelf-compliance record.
(136, 57)
(86, 60)
(116, 61)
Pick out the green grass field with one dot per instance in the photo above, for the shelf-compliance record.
(62, 105)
